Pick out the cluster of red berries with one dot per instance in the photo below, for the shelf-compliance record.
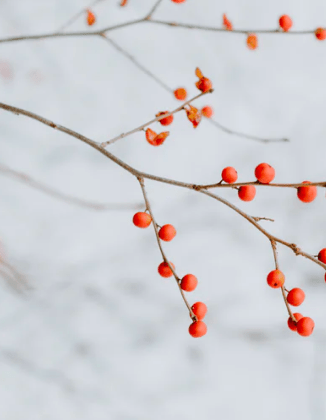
(188, 282)
(193, 114)
(295, 297)
(265, 174)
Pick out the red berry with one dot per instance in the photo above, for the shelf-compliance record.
(305, 326)
(285, 22)
(167, 233)
(295, 296)
(156, 139)
(164, 269)
(293, 325)
(247, 192)
(229, 175)
(275, 279)
(252, 41)
(320, 34)
(90, 18)
(207, 111)
(204, 84)
(189, 283)
(307, 194)
(165, 121)
(123, 3)
(265, 173)
(200, 310)
(193, 115)
(178, 1)
(322, 255)
(180, 94)
(197, 329)
(142, 220)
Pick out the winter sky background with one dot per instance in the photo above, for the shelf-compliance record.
(100, 335)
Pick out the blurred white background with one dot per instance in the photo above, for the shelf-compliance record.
(101, 335)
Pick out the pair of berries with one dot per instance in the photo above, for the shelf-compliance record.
(143, 220)
(198, 328)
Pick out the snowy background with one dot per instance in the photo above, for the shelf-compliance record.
(100, 335)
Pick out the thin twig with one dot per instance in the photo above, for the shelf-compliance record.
(259, 184)
(155, 225)
(26, 179)
(140, 128)
(154, 8)
(244, 135)
(77, 15)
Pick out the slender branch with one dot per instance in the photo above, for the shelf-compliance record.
(154, 8)
(77, 15)
(140, 174)
(244, 135)
(258, 219)
(155, 225)
(140, 128)
(234, 31)
(257, 184)
(274, 248)
(136, 63)
(26, 179)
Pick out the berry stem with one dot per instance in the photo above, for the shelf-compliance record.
(155, 225)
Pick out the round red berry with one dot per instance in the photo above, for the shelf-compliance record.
(285, 22)
(247, 192)
(293, 325)
(180, 94)
(265, 173)
(164, 269)
(322, 255)
(91, 19)
(197, 329)
(178, 1)
(142, 220)
(320, 34)
(295, 296)
(167, 233)
(189, 283)
(167, 120)
(307, 194)
(275, 279)
(207, 111)
(229, 175)
(305, 326)
(252, 41)
(200, 310)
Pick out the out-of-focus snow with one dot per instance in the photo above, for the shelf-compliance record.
(101, 335)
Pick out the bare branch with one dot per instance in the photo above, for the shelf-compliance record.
(26, 179)
(154, 8)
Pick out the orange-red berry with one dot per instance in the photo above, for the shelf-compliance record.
(322, 255)
(193, 115)
(200, 310)
(142, 220)
(167, 120)
(189, 283)
(204, 84)
(320, 34)
(295, 296)
(229, 175)
(307, 194)
(180, 94)
(167, 233)
(247, 192)
(178, 1)
(123, 3)
(265, 173)
(207, 111)
(293, 325)
(226, 23)
(197, 329)
(252, 41)
(91, 19)
(164, 269)
(285, 22)
(275, 279)
(305, 326)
